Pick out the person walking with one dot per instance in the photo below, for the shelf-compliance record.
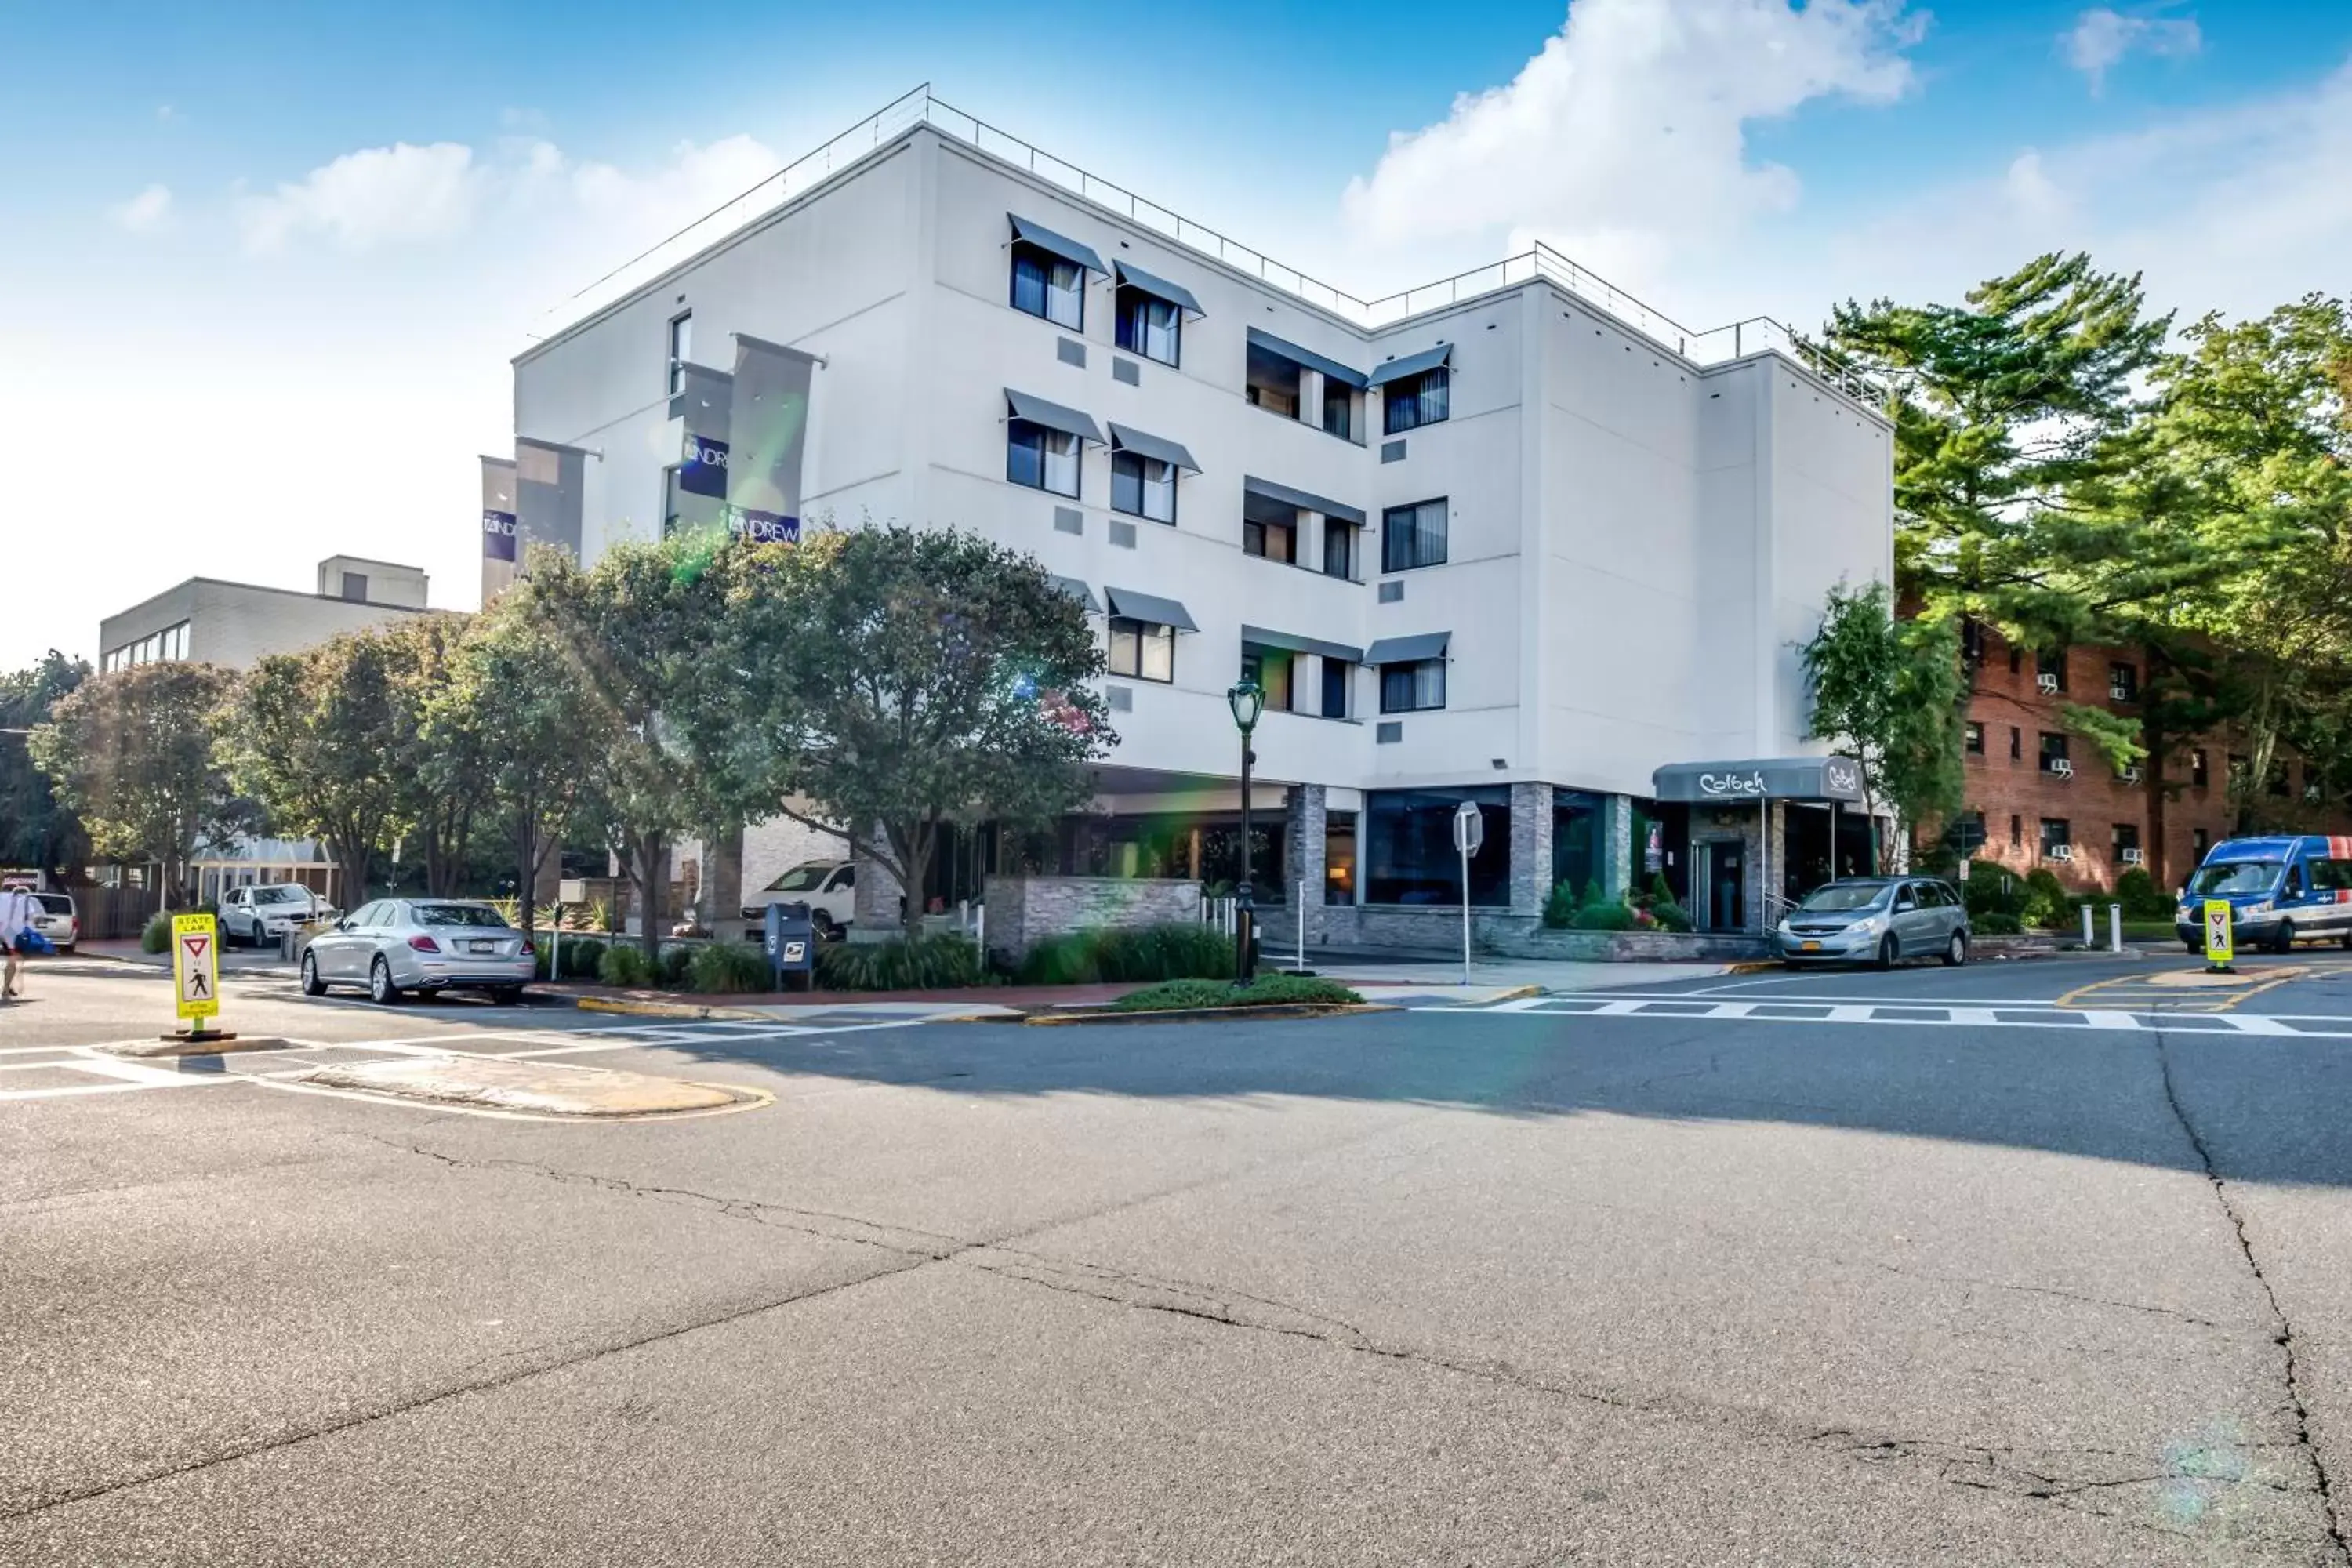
(17, 910)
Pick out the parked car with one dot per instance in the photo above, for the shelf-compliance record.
(2280, 891)
(428, 945)
(1876, 920)
(829, 888)
(60, 920)
(264, 913)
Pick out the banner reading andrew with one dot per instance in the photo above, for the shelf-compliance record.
(768, 436)
(497, 525)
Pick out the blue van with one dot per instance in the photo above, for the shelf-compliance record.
(2280, 891)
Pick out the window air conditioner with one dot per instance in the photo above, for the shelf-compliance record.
(2061, 768)
(2048, 683)
(2130, 775)
(2133, 857)
(2060, 852)
(2120, 693)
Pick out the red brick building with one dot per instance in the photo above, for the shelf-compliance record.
(2048, 797)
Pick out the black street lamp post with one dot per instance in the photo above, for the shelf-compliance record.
(1246, 702)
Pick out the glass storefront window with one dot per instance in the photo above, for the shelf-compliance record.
(1578, 820)
(1407, 847)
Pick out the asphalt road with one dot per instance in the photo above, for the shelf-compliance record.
(1811, 1269)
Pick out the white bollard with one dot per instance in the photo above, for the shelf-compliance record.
(2114, 927)
(2088, 938)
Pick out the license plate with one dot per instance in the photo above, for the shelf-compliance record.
(1811, 947)
(485, 947)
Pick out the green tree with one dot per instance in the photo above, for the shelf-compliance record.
(436, 763)
(139, 755)
(315, 734)
(918, 677)
(36, 828)
(1889, 694)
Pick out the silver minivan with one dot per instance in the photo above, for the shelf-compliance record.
(1876, 920)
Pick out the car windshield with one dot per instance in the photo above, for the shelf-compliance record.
(460, 915)
(1839, 896)
(800, 879)
(279, 895)
(2226, 876)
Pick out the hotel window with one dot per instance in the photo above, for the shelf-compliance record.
(1975, 739)
(1143, 650)
(1340, 417)
(2200, 841)
(2126, 840)
(1049, 286)
(2123, 682)
(1142, 486)
(682, 349)
(1274, 670)
(2016, 743)
(1150, 326)
(2054, 752)
(2016, 830)
(1413, 536)
(1339, 548)
(1269, 528)
(2057, 833)
(1040, 458)
(1972, 641)
(2198, 773)
(2050, 667)
(1339, 679)
(1411, 402)
(1414, 687)
(1271, 381)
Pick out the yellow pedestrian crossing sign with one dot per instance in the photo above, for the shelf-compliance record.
(2221, 945)
(195, 966)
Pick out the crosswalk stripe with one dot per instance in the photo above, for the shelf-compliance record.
(2018, 1016)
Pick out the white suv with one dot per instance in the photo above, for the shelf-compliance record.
(264, 913)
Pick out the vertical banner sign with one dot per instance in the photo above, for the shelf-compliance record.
(2219, 943)
(550, 480)
(499, 550)
(704, 405)
(768, 438)
(196, 968)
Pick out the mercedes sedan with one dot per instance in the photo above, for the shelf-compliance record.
(426, 945)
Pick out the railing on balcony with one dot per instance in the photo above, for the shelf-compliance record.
(1713, 346)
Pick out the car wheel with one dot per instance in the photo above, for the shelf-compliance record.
(1956, 953)
(2195, 949)
(505, 996)
(2348, 942)
(1888, 950)
(311, 984)
(381, 990)
(2284, 942)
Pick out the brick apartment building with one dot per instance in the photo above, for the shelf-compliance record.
(2046, 796)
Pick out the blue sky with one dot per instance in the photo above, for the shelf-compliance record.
(257, 241)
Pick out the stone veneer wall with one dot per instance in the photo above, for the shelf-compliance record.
(1023, 911)
(1500, 933)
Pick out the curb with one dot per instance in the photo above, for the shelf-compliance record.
(636, 1009)
(1751, 966)
(1205, 1014)
(1516, 994)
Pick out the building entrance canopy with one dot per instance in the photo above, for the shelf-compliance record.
(1775, 778)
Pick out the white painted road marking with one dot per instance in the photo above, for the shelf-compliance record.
(1688, 1007)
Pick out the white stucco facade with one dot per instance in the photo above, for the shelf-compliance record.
(1635, 542)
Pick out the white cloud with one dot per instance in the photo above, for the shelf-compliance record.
(2101, 38)
(165, 113)
(1626, 136)
(144, 213)
(377, 195)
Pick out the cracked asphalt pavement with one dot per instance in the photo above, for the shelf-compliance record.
(1433, 1287)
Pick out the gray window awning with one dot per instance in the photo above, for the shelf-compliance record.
(1408, 650)
(1045, 239)
(1124, 438)
(1076, 587)
(1770, 778)
(1133, 277)
(1127, 602)
(1053, 416)
(1306, 357)
(1411, 364)
(1305, 500)
(1298, 644)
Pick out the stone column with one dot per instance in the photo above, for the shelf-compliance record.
(1303, 820)
(1616, 845)
(1530, 847)
(1310, 398)
(722, 881)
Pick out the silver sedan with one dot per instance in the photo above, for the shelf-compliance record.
(394, 945)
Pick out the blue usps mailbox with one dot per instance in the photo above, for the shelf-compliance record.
(791, 944)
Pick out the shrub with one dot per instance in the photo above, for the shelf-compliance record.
(583, 957)
(728, 967)
(1174, 952)
(1672, 916)
(1266, 989)
(937, 962)
(669, 964)
(2141, 898)
(157, 935)
(1996, 922)
(1601, 916)
(624, 963)
(1991, 890)
(1560, 907)
(2046, 901)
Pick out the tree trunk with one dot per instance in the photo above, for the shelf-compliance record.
(645, 856)
(916, 856)
(526, 866)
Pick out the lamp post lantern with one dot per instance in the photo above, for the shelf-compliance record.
(1247, 701)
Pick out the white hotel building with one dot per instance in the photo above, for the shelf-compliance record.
(1511, 538)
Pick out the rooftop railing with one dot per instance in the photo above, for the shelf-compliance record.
(1716, 345)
